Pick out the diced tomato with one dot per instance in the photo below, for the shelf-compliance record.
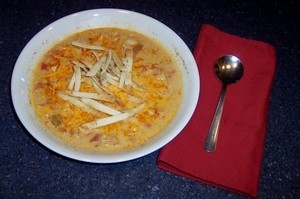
(39, 85)
(45, 66)
(94, 138)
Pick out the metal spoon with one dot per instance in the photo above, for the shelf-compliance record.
(229, 69)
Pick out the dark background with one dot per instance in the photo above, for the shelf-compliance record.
(29, 170)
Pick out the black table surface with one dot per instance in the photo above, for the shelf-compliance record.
(29, 170)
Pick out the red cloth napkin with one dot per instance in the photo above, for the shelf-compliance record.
(236, 163)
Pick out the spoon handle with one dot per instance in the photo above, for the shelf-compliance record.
(211, 140)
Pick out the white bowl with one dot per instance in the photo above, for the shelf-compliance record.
(61, 28)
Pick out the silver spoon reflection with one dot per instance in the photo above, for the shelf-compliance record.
(229, 69)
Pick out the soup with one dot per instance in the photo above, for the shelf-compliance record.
(106, 89)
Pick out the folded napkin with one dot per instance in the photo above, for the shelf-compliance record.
(236, 163)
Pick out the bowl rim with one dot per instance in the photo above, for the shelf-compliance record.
(29, 54)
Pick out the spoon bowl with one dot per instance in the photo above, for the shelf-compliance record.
(229, 69)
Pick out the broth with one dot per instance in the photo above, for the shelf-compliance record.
(133, 80)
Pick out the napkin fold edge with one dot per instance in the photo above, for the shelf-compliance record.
(169, 168)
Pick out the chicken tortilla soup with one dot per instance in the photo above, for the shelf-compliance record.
(106, 89)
